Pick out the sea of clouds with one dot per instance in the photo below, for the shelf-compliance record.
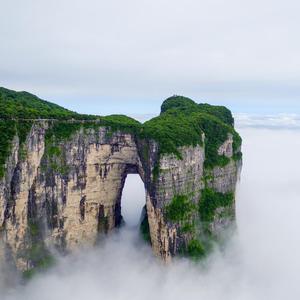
(278, 121)
(262, 260)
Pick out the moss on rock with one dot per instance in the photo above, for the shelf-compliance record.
(179, 209)
(210, 201)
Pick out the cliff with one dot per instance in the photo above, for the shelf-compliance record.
(62, 175)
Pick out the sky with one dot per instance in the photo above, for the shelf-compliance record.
(117, 56)
(261, 261)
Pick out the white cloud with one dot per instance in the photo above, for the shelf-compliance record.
(279, 121)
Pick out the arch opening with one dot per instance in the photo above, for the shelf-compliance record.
(133, 199)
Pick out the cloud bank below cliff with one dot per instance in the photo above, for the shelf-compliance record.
(261, 262)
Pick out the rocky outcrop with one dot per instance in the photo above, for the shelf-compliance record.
(61, 194)
(70, 209)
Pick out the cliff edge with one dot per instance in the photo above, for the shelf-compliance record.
(62, 175)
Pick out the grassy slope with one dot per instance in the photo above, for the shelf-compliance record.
(22, 105)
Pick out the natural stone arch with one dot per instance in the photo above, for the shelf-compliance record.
(99, 183)
(64, 177)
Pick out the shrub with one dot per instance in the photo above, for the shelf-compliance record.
(145, 230)
(210, 201)
(179, 209)
(195, 249)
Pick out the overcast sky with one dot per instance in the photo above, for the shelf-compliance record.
(126, 56)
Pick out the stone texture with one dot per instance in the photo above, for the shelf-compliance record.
(226, 148)
(76, 208)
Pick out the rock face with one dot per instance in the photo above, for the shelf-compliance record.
(65, 194)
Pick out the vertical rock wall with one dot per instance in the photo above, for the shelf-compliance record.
(72, 206)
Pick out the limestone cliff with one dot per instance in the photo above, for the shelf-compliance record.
(63, 178)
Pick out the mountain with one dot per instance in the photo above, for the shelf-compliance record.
(62, 176)
(23, 105)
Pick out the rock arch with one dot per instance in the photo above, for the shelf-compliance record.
(61, 178)
(70, 205)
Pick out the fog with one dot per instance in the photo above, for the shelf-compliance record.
(133, 200)
(262, 261)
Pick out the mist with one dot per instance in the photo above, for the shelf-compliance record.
(261, 261)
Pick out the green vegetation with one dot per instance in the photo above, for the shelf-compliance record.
(188, 227)
(216, 133)
(188, 106)
(8, 130)
(145, 230)
(210, 201)
(179, 209)
(181, 103)
(40, 258)
(195, 249)
(220, 112)
(120, 122)
(60, 131)
(172, 130)
(63, 130)
(22, 105)
(181, 123)
(23, 128)
(103, 224)
(237, 156)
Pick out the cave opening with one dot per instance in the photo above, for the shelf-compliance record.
(133, 200)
